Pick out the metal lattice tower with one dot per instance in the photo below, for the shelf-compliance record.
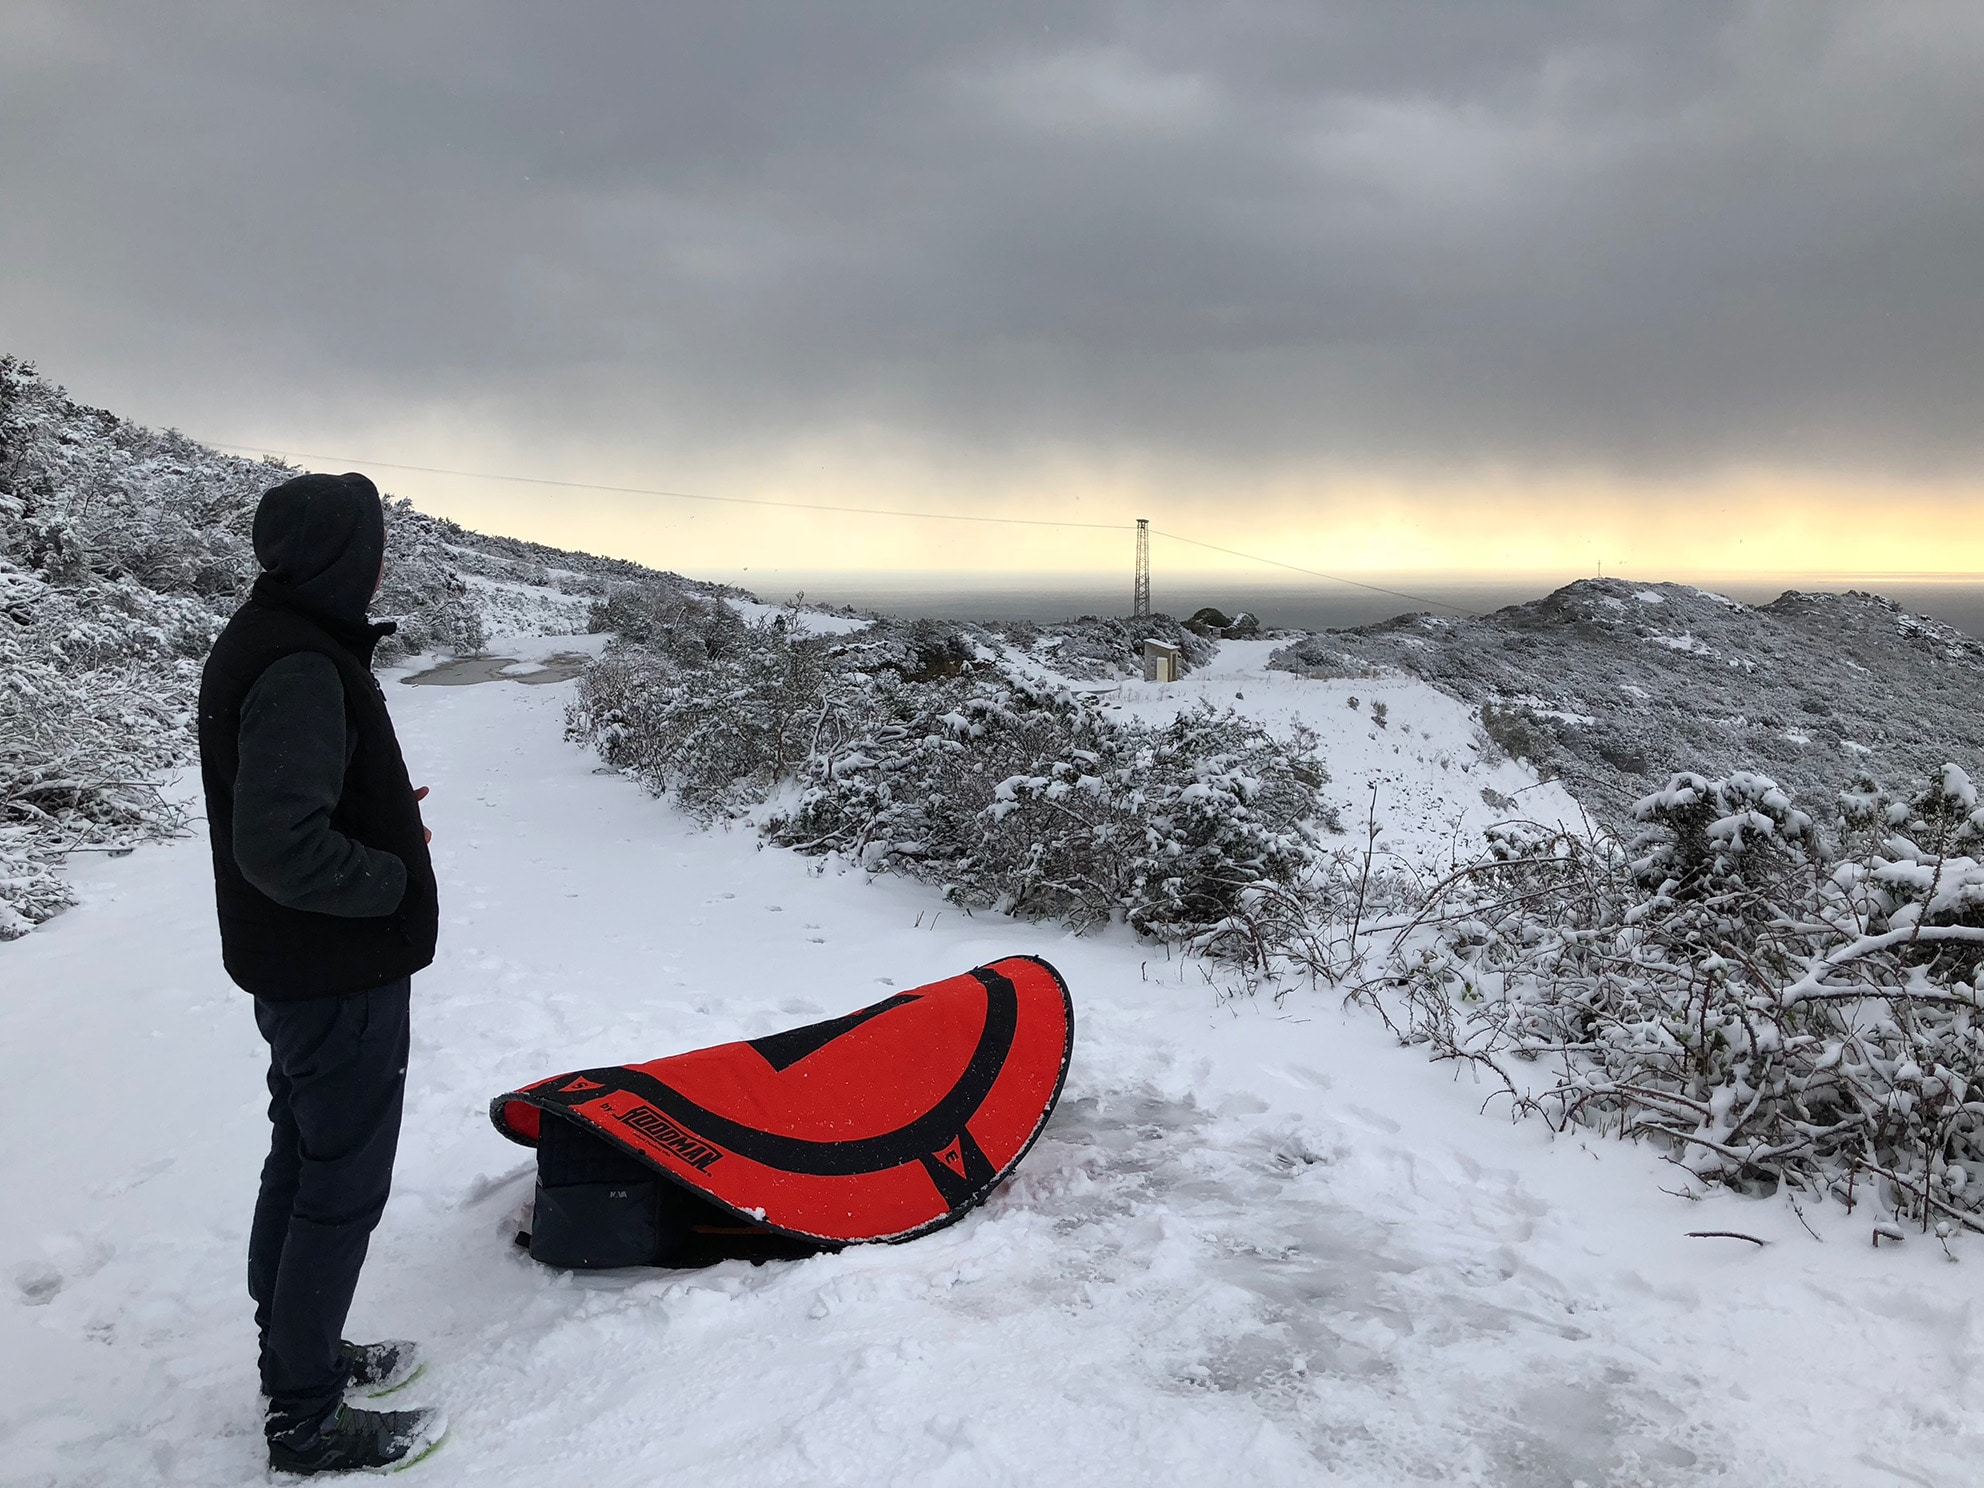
(1140, 600)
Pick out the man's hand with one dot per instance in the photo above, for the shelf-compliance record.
(426, 833)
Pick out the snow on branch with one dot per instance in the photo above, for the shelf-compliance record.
(1778, 1008)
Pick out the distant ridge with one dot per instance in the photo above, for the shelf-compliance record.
(1615, 685)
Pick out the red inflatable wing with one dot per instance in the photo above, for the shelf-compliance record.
(887, 1123)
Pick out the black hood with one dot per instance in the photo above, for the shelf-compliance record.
(322, 538)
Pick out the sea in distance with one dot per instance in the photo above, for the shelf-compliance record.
(1294, 601)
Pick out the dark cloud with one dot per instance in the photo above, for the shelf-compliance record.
(1643, 236)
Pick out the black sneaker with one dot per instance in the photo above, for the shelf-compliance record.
(380, 1368)
(354, 1440)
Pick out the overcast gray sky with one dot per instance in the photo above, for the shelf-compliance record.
(1655, 240)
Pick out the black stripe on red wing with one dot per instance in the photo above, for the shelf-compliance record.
(846, 1159)
(539, 1095)
(960, 1170)
(783, 1050)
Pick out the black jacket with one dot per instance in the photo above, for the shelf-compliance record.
(321, 874)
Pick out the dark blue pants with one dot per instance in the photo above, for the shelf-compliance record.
(337, 1072)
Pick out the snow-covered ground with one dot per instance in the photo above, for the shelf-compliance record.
(811, 622)
(511, 609)
(1423, 775)
(1258, 1244)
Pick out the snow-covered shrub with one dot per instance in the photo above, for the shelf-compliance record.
(918, 650)
(123, 550)
(1777, 1009)
(119, 557)
(720, 735)
(423, 592)
(96, 688)
(1518, 733)
(917, 754)
(659, 616)
(1094, 648)
(1740, 836)
(1208, 621)
(1027, 801)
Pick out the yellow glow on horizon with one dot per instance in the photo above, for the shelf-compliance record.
(1341, 521)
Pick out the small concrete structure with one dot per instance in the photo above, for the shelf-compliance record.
(1161, 661)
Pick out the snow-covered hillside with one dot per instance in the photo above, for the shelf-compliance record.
(1399, 752)
(1617, 685)
(122, 552)
(1258, 1244)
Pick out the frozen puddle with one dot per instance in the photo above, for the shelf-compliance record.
(467, 671)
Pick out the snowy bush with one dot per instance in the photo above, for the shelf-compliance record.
(1779, 1010)
(96, 691)
(916, 754)
(720, 731)
(120, 551)
(1027, 801)
(921, 650)
(423, 593)
(81, 753)
(1092, 648)
(666, 618)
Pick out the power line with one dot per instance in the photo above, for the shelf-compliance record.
(863, 511)
(1317, 573)
(527, 480)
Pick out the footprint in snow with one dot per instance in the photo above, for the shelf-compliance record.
(38, 1283)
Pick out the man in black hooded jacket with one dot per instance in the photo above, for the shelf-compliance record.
(327, 907)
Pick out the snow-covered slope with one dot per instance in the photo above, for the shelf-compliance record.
(1258, 1244)
(123, 550)
(1618, 685)
(1401, 754)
